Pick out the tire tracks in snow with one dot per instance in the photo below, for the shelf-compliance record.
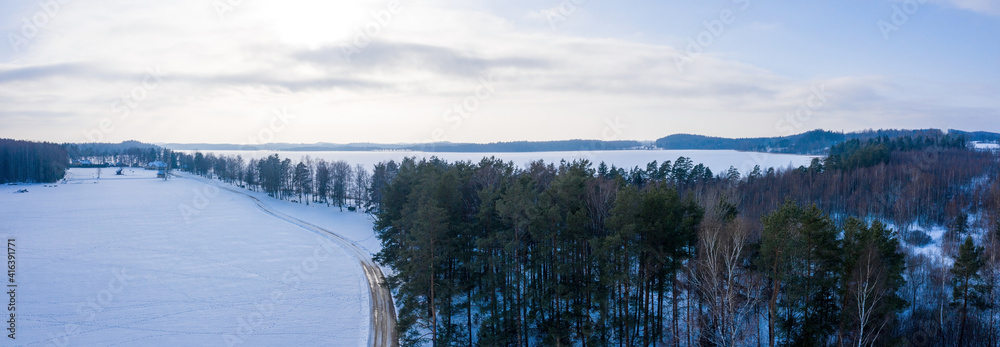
(382, 332)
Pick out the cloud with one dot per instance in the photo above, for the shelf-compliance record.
(987, 7)
(225, 75)
(84, 72)
(404, 55)
(293, 84)
(11, 74)
(990, 7)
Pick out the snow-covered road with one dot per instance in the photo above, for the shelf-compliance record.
(138, 261)
(383, 312)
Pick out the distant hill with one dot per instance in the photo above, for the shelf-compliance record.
(816, 142)
(981, 136)
(813, 142)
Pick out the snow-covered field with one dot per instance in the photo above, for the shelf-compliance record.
(718, 161)
(139, 261)
(986, 146)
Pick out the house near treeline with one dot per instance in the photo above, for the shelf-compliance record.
(156, 165)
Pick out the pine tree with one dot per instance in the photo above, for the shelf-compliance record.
(814, 285)
(872, 276)
(968, 289)
(780, 243)
(801, 251)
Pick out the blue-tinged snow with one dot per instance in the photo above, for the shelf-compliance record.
(986, 146)
(139, 261)
(934, 248)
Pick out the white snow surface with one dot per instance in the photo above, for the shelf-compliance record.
(717, 160)
(986, 146)
(138, 261)
(933, 249)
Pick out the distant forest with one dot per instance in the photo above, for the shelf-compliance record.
(569, 253)
(43, 162)
(491, 254)
(816, 142)
(578, 253)
(31, 162)
(128, 153)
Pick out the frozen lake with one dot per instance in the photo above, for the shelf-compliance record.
(718, 160)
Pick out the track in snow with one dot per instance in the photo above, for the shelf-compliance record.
(382, 332)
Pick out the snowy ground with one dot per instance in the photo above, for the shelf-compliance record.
(717, 160)
(986, 146)
(932, 249)
(139, 261)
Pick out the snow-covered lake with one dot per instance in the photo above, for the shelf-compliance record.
(717, 160)
(137, 261)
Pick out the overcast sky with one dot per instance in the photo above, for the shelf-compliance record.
(239, 71)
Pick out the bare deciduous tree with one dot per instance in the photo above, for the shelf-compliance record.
(866, 297)
(729, 290)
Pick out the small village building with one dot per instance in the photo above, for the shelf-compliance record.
(156, 165)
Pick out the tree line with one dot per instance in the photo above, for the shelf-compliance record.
(127, 153)
(671, 254)
(334, 183)
(907, 186)
(491, 254)
(31, 162)
(812, 142)
(920, 185)
(854, 154)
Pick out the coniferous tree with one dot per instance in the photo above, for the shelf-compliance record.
(31, 162)
(872, 276)
(968, 289)
(780, 244)
(801, 251)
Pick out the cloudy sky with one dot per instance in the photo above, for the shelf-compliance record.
(239, 71)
